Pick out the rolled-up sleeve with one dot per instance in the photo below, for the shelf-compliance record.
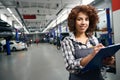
(72, 64)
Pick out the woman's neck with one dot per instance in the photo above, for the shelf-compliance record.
(81, 38)
(80, 35)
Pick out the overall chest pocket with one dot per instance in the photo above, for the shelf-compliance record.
(79, 53)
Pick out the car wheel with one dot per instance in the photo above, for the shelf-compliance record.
(13, 49)
(26, 49)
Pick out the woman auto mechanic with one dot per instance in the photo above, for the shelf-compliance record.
(82, 22)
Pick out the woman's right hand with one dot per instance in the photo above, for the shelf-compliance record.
(97, 48)
(86, 59)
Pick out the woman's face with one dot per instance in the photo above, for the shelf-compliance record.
(82, 23)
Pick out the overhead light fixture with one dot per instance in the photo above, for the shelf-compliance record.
(14, 16)
(85, 2)
(9, 10)
(17, 20)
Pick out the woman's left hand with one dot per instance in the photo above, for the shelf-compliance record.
(109, 60)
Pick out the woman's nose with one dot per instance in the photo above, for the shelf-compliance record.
(83, 21)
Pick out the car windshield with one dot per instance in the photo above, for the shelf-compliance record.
(17, 42)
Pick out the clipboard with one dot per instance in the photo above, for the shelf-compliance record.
(96, 62)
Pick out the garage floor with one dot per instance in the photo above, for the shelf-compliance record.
(40, 62)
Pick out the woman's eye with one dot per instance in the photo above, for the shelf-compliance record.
(87, 19)
(79, 19)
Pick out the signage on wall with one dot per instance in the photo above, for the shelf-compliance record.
(27, 16)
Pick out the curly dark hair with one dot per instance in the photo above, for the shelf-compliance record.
(87, 9)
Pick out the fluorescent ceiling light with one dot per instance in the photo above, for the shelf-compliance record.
(84, 2)
(17, 20)
(9, 10)
(14, 16)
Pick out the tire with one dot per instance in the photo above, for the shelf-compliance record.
(14, 49)
(26, 49)
(58, 47)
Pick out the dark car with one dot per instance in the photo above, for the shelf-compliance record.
(5, 29)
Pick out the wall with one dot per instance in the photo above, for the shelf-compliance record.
(116, 28)
(115, 19)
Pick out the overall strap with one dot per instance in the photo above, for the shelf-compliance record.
(75, 44)
(92, 41)
(76, 48)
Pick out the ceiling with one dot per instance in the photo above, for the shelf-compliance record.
(42, 11)
(36, 15)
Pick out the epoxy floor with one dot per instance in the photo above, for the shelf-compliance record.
(39, 62)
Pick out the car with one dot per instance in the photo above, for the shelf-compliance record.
(1, 47)
(51, 39)
(6, 30)
(16, 45)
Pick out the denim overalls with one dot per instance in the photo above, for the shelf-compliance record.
(89, 75)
